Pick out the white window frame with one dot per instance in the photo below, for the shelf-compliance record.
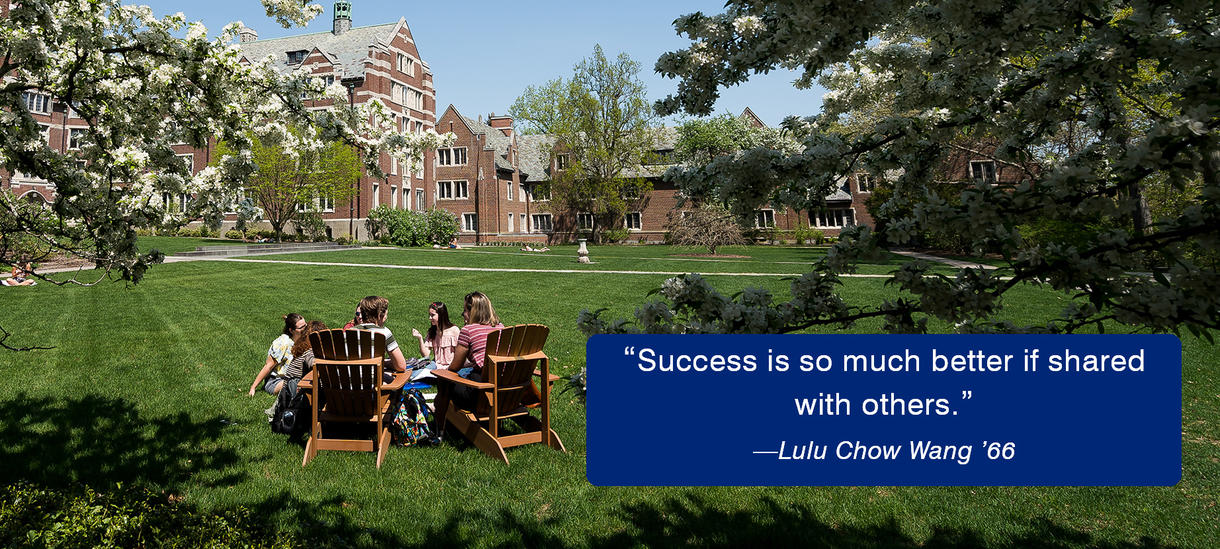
(864, 183)
(835, 218)
(190, 162)
(419, 199)
(637, 217)
(376, 195)
(452, 190)
(37, 102)
(562, 161)
(74, 136)
(394, 197)
(581, 217)
(550, 223)
(470, 222)
(764, 219)
(535, 196)
(451, 155)
(994, 175)
(417, 99)
(510, 224)
(45, 130)
(326, 203)
(406, 65)
(508, 189)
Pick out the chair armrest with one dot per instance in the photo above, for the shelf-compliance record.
(400, 379)
(551, 378)
(453, 377)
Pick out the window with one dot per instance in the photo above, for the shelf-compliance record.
(508, 188)
(296, 57)
(524, 227)
(398, 93)
(326, 203)
(393, 165)
(74, 137)
(172, 205)
(419, 199)
(376, 195)
(451, 190)
(836, 218)
(864, 183)
(983, 170)
(764, 219)
(45, 131)
(632, 221)
(394, 196)
(584, 220)
(510, 223)
(417, 100)
(406, 65)
(470, 222)
(37, 102)
(451, 157)
(406, 197)
(562, 161)
(188, 162)
(523, 192)
(542, 223)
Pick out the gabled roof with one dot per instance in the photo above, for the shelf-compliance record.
(347, 51)
(751, 118)
(495, 141)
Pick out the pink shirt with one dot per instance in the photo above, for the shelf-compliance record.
(444, 344)
(474, 337)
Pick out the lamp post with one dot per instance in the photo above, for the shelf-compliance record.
(351, 83)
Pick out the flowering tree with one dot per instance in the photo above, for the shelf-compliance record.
(142, 90)
(601, 121)
(1021, 74)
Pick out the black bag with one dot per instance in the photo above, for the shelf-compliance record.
(292, 412)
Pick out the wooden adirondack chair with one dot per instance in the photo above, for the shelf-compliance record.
(508, 393)
(347, 381)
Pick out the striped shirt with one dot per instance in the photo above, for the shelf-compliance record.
(390, 343)
(474, 337)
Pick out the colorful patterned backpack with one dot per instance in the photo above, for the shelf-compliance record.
(412, 423)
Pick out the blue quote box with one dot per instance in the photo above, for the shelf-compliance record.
(931, 410)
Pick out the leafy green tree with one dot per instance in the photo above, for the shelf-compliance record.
(1019, 73)
(700, 140)
(602, 124)
(286, 184)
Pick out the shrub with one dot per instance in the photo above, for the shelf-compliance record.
(32, 516)
(310, 226)
(615, 235)
(234, 234)
(407, 228)
(805, 233)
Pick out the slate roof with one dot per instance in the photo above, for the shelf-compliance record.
(533, 154)
(347, 51)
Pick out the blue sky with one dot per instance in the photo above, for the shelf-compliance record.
(484, 54)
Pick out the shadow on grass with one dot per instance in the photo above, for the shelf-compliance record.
(101, 441)
(686, 521)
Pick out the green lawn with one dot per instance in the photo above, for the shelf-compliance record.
(147, 386)
(733, 259)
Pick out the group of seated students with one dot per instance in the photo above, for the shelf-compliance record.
(457, 349)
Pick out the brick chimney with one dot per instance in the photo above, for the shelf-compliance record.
(343, 17)
(245, 35)
(502, 123)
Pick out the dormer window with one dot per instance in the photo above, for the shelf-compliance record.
(297, 57)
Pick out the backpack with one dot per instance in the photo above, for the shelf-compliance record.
(412, 422)
(292, 412)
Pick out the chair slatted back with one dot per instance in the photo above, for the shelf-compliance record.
(511, 355)
(348, 366)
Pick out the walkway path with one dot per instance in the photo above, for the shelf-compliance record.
(937, 259)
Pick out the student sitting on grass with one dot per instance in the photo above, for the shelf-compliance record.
(21, 276)
(442, 337)
(374, 310)
(278, 356)
(302, 353)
